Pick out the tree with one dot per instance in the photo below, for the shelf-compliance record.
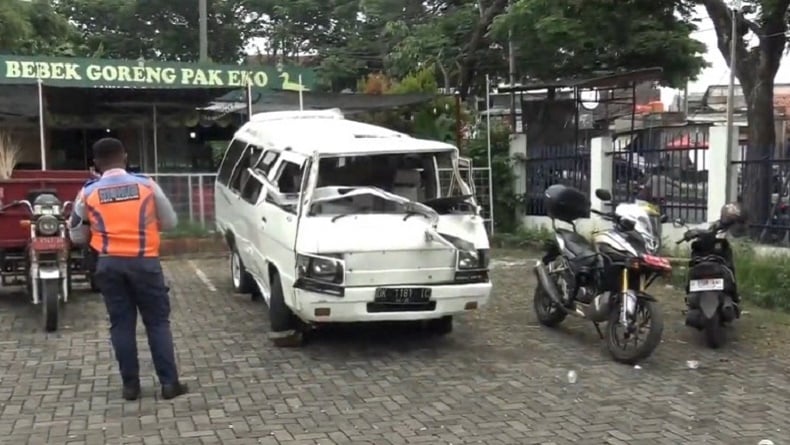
(157, 29)
(478, 43)
(756, 69)
(289, 28)
(403, 36)
(35, 28)
(434, 120)
(557, 39)
(441, 39)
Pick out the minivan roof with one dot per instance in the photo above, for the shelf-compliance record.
(329, 133)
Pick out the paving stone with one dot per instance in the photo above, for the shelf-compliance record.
(500, 378)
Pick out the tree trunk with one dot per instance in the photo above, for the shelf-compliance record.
(469, 58)
(757, 171)
(756, 68)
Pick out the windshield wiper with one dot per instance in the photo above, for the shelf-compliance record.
(336, 217)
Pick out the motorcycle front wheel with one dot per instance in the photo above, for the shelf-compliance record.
(49, 295)
(638, 345)
(548, 313)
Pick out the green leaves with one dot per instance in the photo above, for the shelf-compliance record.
(156, 29)
(558, 39)
(35, 28)
(347, 39)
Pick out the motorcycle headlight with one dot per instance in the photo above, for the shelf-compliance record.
(319, 268)
(47, 225)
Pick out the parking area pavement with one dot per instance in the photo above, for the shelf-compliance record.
(500, 378)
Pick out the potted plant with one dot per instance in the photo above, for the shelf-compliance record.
(10, 151)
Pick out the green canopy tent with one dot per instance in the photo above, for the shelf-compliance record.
(72, 91)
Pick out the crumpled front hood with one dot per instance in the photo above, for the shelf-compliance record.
(370, 232)
(364, 232)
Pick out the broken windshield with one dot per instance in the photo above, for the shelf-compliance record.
(387, 183)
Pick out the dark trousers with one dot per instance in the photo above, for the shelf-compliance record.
(130, 285)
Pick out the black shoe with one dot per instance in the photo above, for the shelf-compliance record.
(131, 392)
(173, 391)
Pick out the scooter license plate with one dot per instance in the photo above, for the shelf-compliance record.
(706, 285)
(48, 243)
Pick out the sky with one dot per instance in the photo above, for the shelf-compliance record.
(718, 72)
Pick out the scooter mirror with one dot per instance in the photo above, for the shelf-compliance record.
(664, 218)
(679, 222)
(603, 195)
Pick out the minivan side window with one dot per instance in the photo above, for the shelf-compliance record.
(289, 178)
(232, 155)
(241, 173)
(252, 190)
(267, 161)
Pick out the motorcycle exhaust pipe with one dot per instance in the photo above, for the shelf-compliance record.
(547, 283)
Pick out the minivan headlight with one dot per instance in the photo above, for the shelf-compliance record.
(468, 259)
(320, 268)
(472, 259)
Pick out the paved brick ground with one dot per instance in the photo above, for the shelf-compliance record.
(499, 379)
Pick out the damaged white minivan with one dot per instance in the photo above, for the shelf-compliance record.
(332, 220)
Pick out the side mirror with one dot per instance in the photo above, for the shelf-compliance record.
(679, 222)
(664, 218)
(603, 194)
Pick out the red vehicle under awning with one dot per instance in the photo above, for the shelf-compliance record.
(685, 142)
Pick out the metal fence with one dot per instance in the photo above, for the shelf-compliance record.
(773, 182)
(481, 185)
(547, 165)
(192, 194)
(669, 167)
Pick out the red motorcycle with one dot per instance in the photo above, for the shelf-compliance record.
(48, 274)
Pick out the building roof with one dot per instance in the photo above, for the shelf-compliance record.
(279, 100)
(617, 79)
(329, 133)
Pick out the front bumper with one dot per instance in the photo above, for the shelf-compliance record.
(357, 304)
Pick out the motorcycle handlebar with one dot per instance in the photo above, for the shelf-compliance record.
(19, 202)
(692, 234)
(605, 215)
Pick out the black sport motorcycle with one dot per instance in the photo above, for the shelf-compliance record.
(711, 291)
(603, 280)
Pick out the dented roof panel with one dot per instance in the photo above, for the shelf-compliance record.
(306, 135)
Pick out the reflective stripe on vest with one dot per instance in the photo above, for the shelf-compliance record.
(122, 214)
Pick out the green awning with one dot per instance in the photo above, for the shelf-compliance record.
(137, 74)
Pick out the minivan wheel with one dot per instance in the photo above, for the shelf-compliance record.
(286, 328)
(241, 279)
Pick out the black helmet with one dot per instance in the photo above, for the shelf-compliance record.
(731, 213)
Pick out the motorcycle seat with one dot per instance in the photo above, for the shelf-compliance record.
(577, 244)
(708, 259)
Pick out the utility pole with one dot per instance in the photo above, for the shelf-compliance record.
(731, 98)
(203, 11)
(512, 77)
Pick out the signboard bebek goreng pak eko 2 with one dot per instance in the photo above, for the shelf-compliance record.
(97, 73)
